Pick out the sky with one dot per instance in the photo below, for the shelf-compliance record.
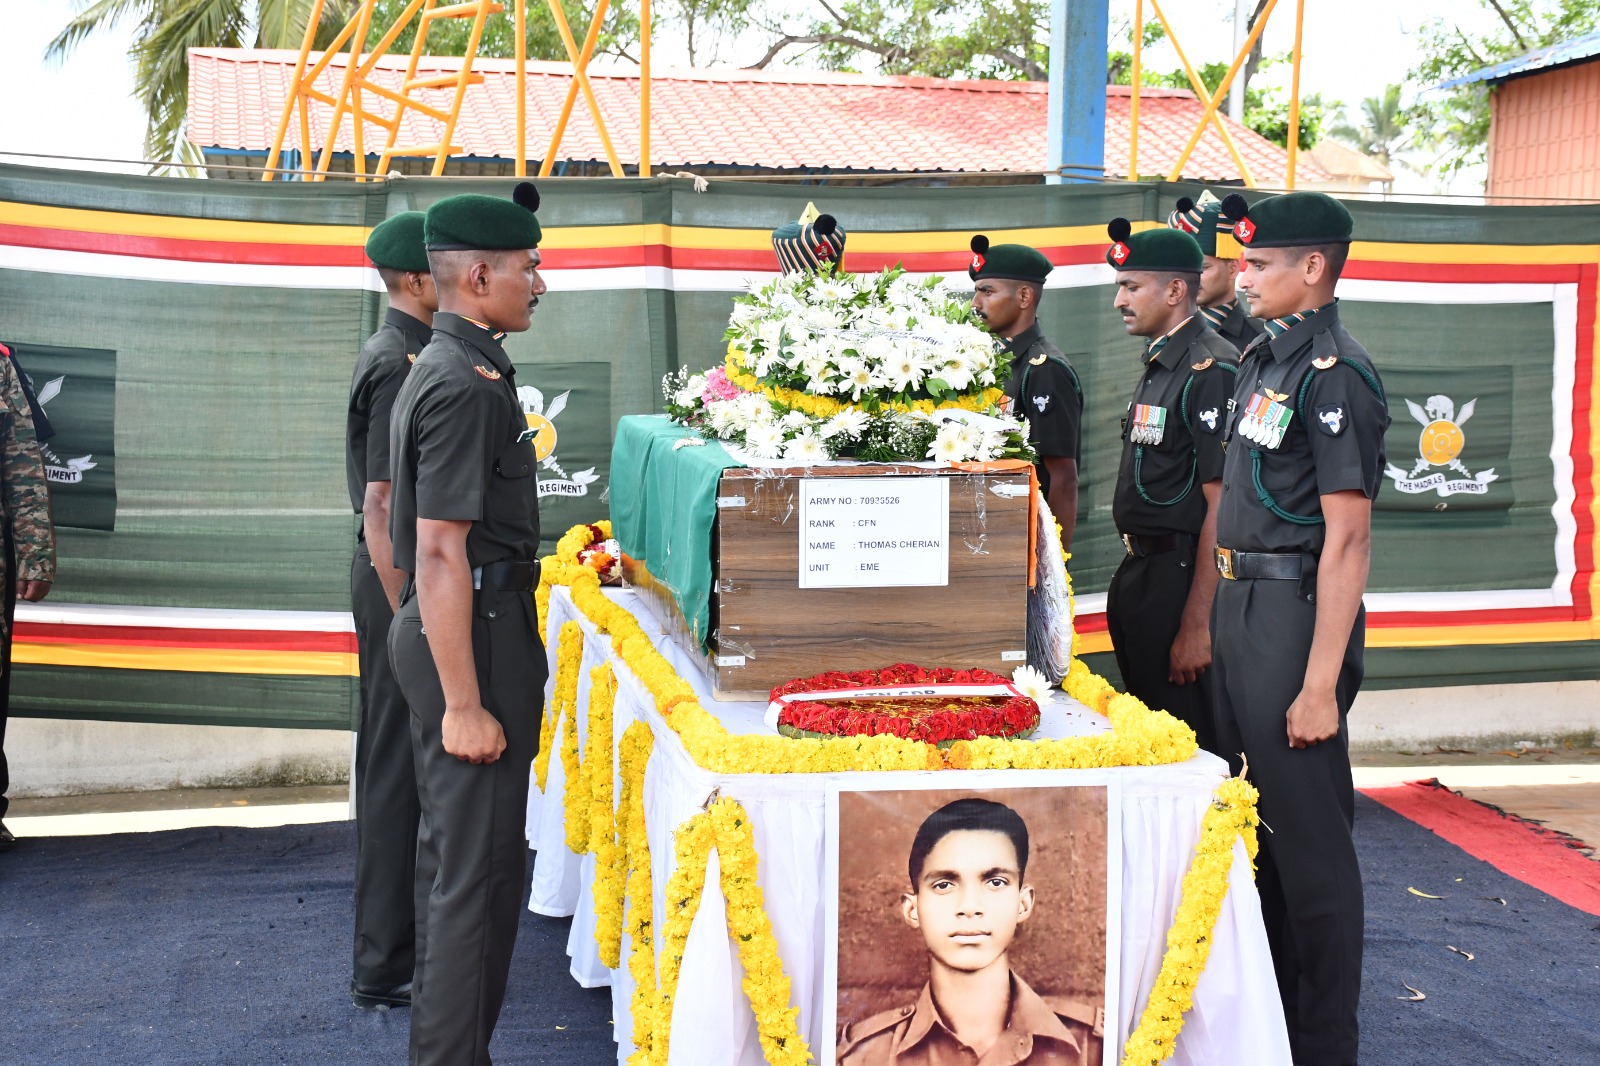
(85, 107)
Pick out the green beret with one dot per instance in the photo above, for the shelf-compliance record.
(1206, 222)
(803, 246)
(1153, 249)
(396, 243)
(1010, 262)
(1291, 220)
(485, 223)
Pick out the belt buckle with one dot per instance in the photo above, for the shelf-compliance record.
(1127, 543)
(1225, 563)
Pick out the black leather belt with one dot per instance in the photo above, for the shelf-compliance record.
(1139, 546)
(506, 576)
(1257, 566)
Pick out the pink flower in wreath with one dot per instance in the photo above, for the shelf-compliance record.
(718, 387)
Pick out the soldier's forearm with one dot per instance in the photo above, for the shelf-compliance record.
(1341, 582)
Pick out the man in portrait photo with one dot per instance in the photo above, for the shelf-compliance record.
(967, 895)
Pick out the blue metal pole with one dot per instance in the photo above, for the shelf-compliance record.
(1077, 110)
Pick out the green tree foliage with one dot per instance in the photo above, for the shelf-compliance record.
(1383, 131)
(619, 34)
(1455, 122)
(1266, 111)
(1006, 39)
(167, 29)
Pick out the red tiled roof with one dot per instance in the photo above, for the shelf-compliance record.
(772, 120)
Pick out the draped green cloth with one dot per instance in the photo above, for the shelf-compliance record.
(663, 505)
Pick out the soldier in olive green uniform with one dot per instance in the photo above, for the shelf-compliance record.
(1042, 387)
(29, 533)
(1304, 461)
(465, 642)
(386, 783)
(1219, 297)
(1158, 609)
(968, 894)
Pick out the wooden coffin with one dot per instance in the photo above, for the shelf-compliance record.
(862, 566)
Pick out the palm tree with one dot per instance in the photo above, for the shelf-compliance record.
(167, 29)
(1383, 133)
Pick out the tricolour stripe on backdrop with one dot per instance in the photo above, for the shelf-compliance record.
(659, 256)
(186, 640)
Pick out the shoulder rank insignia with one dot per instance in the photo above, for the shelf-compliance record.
(411, 357)
(1203, 366)
(1038, 360)
(1325, 363)
(492, 375)
(1275, 397)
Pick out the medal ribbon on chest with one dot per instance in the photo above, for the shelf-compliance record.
(1148, 425)
(1265, 421)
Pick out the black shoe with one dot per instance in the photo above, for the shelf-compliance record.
(368, 997)
(7, 842)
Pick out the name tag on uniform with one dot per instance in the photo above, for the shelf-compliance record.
(527, 435)
(1148, 425)
(1265, 421)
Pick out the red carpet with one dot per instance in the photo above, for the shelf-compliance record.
(1538, 857)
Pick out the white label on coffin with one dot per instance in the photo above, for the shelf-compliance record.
(874, 532)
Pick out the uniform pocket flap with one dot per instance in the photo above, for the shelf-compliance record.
(516, 460)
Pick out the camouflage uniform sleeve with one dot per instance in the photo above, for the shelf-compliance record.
(26, 492)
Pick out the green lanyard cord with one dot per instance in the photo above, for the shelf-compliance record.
(1271, 504)
(1138, 483)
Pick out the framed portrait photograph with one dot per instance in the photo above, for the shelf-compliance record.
(976, 924)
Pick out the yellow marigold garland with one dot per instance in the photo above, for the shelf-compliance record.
(577, 787)
(634, 756)
(1231, 815)
(569, 657)
(692, 843)
(1139, 736)
(777, 1023)
(726, 826)
(610, 870)
(827, 406)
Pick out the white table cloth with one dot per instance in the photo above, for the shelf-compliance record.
(1236, 1017)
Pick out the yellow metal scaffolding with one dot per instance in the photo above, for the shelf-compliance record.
(1213, 101)
(356, 79)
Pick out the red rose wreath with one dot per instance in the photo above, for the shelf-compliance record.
(938, 706)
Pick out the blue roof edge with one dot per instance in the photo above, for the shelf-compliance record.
(1546, 58)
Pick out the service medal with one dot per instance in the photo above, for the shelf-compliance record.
(1149, 424)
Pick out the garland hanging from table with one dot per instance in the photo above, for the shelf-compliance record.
(1230, 816)
(725, 825)
(577, 787)
(569, 658)
(1139, 736)
(637, 743)
(610, 867)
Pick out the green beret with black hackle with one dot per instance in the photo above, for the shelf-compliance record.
(1161, 249)
(1007, 262)
(485, 223)
(1289, 220)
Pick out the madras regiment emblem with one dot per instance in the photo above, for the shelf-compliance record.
(542, 432)
(1440, 445)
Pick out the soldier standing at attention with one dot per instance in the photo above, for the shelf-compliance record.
(1304, 460)
(465, 642)
(1219, 297)
(1042, 387)
(29, 534)
(386, 783)
(1158, 609)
